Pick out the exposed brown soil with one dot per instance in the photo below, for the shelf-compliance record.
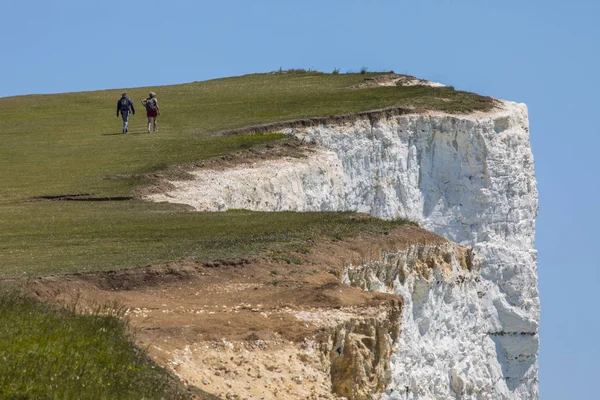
(189, 314)
(383, 80)
(373, 115)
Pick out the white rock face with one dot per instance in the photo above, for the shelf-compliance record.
(469, 178)
(440, 323)
(309, 184)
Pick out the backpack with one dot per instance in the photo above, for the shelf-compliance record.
(124, 104)
(150, 104)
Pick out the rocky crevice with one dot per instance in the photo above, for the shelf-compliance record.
(358, 354)
(435, 281)
(454, 263)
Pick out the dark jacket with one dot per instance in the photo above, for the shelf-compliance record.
(129, 106)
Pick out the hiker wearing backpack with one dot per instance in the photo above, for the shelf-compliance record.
(152, 110)
(124, 106)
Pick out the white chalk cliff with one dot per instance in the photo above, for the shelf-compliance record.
(467, 177)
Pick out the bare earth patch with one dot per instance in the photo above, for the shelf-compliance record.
(254, 329)
(395, 80)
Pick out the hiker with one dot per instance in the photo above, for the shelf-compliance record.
(152, 110)
(124, 106)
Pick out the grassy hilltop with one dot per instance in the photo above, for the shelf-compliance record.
(71, 144)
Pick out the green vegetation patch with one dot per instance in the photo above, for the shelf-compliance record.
(88, 236)
(49, 353)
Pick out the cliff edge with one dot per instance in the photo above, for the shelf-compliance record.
(267, 328)
(467, 177)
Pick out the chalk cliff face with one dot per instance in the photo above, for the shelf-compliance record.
(439, 324)
(469, 178)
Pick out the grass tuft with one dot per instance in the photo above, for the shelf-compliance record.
(51, 353)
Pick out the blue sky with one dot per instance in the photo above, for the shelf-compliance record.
(543, 53)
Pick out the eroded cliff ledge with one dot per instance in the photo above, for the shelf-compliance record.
(467, 177)
(269, 329)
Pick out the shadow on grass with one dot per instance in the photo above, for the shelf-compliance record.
(124, 134)
(113, 134)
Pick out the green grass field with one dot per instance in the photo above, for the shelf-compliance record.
(71, 143)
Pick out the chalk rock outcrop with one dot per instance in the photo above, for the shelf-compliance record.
(469, 178)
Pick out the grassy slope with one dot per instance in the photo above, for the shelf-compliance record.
(67, 143)
(53, 354)
(83, 357)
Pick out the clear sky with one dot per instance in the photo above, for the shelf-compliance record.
(543, 53)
